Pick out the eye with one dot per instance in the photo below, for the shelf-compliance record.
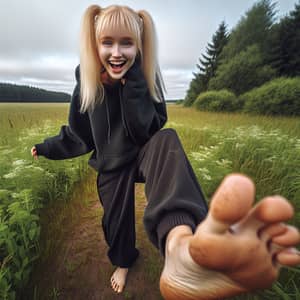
(106, 42)
(127, 42)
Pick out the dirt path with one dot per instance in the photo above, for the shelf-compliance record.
(77, 267)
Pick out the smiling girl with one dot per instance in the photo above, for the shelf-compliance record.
(117, 111)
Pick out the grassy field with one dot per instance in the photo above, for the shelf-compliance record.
(266, 149)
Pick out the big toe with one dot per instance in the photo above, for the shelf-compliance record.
(231, 202)
(213, 245)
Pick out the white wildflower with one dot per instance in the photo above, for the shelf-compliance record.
(199, 156)
(10, 175)
(174, 124)
(5, 152)
(270, 159)
(204, 170)
(223, 162)
(38, 168)
(206, 177)
(19, 162)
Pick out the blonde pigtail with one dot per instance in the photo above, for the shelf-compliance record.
(89, 59)
(150, 59)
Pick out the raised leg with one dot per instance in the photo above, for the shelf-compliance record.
(237, 248)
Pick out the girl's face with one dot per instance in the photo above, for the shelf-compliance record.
(117, 51)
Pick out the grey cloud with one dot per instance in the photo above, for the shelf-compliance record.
(51, 73)
(39, 39)
(176, 81)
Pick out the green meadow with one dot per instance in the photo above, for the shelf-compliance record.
(267, 149)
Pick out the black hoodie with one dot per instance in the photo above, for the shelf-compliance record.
(115, 130)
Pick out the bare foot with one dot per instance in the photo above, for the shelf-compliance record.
(236, 249)
(118, 279)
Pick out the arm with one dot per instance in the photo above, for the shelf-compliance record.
(73, 140)
(143, 114)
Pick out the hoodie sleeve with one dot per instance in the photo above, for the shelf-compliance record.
(143, 114)
(73, 140)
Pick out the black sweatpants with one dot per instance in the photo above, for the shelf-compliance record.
(172, 191)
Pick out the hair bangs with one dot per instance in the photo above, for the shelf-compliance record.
(116, 18)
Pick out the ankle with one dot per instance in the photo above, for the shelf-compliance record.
(177, 236)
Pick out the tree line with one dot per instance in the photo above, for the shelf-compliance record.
(21, 93)
(253, 63)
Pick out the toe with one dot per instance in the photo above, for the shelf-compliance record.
(288, 257)
(270, 231)
(269, 211)
(120, 289)
(213, 245)
(113, 284)
(289, 238)
(232, 200)
(273, 209)
(115, 287)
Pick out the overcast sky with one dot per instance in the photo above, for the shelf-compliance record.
(39, 39)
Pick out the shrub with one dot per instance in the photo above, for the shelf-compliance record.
(280, 96)
(243, 72)
(222, 100)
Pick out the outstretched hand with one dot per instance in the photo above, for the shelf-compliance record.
(34, 153)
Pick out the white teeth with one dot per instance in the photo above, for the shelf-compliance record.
(117, 63)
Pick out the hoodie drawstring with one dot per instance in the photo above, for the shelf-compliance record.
(108, 121)
(122, 113)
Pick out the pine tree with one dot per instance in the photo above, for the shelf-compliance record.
(209, 62)
(284, 48)
(253, 28)
(207, 65)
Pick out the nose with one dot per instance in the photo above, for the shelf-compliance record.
(116, 50)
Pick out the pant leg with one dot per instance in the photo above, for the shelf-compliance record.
(171, 187)
(116, 193)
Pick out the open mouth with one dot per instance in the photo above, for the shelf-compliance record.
(117, 65)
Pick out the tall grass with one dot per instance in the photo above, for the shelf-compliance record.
(266, 149)
(26, 186)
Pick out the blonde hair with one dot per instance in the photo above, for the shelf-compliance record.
(140, 25)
